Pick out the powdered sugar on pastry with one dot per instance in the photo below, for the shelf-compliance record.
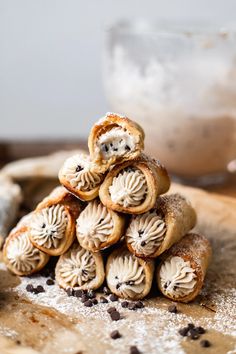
(79, 172)
(94, 225)
(129, 188)
(146, 232)
(126, 275)
(48, 226)
(178, 279)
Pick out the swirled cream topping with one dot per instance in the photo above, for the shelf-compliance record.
(115, 142)
(146, 233)
(94, 225)
(48, 226)
(177, 277)
(128, 188)
(78, 171)
(77, 267)
(22, 255)
(127, 275)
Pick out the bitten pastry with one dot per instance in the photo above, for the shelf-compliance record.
(182, 270)
(19, 254)
(98, 227)
(52, 227)
(114, 139)
(150, 234)
(133, 186)
(80, 269)
(127, 276)
(78, 175)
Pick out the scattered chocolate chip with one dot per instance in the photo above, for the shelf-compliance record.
(124, 304)
(70, 292)
(200, 330)
(127, 147)
(106, 291)
(78, 293)
(111, 309)
(94, 301)
(205, 343)
(139, 304)
(50, 282)
(190, 326)
(115, 334)
(193, 334)
(183, 331)
(39, 289)
(115, 316)
(103, 300)
(30, 288)
(132, 306)
(91, 294)
(84, 298)
(88, 303)
(79, 168)
(143, 243)
(113, 297)
(134, 350)
(172, 309)
(18, 342)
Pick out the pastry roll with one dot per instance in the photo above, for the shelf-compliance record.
(182, 270)
(10, 199)
(79, 268)
(133, 186)
(128, 276)
(52, 227)
(98, 227)
(115, 139)
(19, 254)
(78, 175)
(150, 234)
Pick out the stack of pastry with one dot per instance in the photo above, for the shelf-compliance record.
(113, 199)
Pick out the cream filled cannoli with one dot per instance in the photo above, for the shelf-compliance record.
(115, 139)
(128, 276)
(52, 227)
(98, 227)
(79, 268)
(19, 254)
(10, 199)
(79, 176)
(133, 186)
(150, 234)
(182, 270)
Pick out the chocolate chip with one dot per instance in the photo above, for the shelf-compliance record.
(184, 331)
(94, 301)
(18, 342)
(106, 291)
(115, 334)
(172, 309)
(103, 300)
(124, 304)
(111, 309)
(205, 343)
(39, 289)
(84, 298)
(113, 297)
(132, 306)
(127, 147)
(193, 334)
(79, 168)
(134, 350)
(139, 304)
(91, 294)
(115, 316)
(143, 243)
(70, 292)
(43, 225)
(50, 282)
(30, 288)
(78, 293)
(88, 303)
(190, 326)
(200, 330)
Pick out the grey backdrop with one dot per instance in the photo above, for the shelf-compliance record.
(50, 58)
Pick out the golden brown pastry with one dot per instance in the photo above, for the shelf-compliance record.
(182, 270)
(79, 268)
(19, 254)
(133, 186)
(150, 234)
(78, 174)
(98, 227)
(128, 276)
(52, 227)
(114, 139)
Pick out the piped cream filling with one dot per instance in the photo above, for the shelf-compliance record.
(22, 255)
(48, 226)
(177, 277)
(126, 275)
(128, 188)
(146, 232)
(115, 142)
(94, 225)
(79, 172)
(77, 267)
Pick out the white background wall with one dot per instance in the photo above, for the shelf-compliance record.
(50, 58)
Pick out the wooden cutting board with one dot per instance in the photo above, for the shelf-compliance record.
(52, 322)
